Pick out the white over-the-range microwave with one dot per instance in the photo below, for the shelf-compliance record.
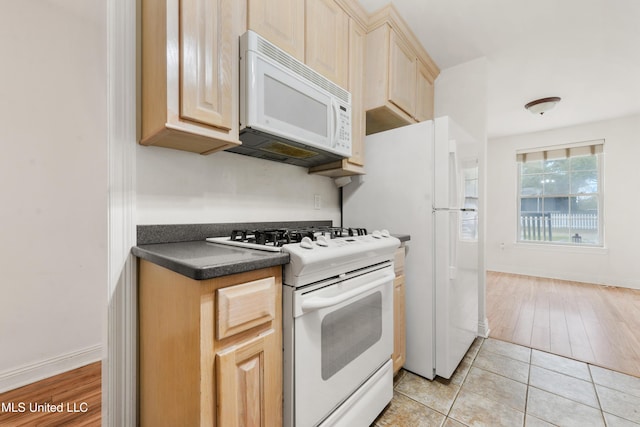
(288, 112)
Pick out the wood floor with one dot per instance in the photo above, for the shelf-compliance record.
(77, 393)
(591, 323)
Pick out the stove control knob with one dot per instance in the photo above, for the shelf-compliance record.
(322, 241)
(376, 234)
(306, 243)
(385, 233)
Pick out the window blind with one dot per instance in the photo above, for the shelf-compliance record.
(561, 151)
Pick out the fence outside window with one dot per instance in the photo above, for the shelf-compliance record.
(540, 226)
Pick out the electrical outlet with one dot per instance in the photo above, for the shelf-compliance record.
(317, 201)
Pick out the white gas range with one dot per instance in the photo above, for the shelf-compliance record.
(337, 322)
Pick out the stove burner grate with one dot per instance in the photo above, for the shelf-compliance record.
(282, 236)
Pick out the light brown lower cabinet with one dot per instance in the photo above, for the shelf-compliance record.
(399, 317)
(210, 350)
(399, 325)
(243, 372)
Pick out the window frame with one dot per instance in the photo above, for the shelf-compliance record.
(471, 215)
(599, 154)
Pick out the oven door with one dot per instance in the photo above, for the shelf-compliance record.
(343, 335)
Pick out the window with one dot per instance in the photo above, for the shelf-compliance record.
(469, 219)
(560, 195)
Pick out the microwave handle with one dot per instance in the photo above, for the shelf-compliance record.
(317, 303)
(334, 125)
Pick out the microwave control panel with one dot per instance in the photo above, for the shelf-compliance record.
(343, 144)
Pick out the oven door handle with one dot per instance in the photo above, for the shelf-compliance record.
(316, 303)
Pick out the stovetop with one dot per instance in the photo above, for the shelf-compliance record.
(318, 253)
(273, 239)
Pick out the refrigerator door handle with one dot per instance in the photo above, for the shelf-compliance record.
(453, 244)
(434, 210)
(452, 146)
(454, 177)
(454, 209)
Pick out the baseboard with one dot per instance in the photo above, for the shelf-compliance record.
(569, 276)
(483, 328)
(33, 372)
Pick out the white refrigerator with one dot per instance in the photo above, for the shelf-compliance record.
(422, 180)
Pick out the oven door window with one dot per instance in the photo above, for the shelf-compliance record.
(349, 332)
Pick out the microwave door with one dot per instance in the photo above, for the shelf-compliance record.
(284, 102)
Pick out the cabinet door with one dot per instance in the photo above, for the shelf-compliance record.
(399, 326)
(424, 93)
(206, 41)
(327, 35)
(249, 383)
(279, 21)
(402, 75)
(242, 307)
(357, 39)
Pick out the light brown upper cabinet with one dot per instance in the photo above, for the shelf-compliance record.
(327, 40)
(356, 41)
(190, 74)
(281, 22)
(424, 93)
(329, 36)
(400, 74)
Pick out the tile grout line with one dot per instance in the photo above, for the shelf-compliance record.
(508, 357)
(501, 375)
(446, 416)
(417, 401)
(566, 397)
(595, 390)
(610, 388)
(453, 402)
(427, 406)
(455, 397)
(526, 398)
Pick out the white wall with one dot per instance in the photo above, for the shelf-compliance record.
(176, 187)
(616, 264)
(53, 181)
(461, 93)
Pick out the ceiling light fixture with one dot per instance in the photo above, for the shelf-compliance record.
(541, 106)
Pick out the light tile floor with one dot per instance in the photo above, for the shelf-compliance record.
(504, 384)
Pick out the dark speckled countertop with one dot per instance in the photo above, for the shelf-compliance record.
(402, 237)
(183, 248)
(202, 260)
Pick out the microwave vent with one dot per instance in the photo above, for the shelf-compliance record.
(284, 59)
